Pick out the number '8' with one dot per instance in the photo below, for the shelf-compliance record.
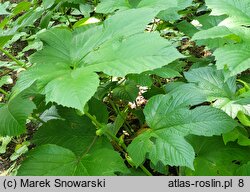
(241, 183)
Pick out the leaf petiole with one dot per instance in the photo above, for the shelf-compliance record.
(19, 63)
(117, 140)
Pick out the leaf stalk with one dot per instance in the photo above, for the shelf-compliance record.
(19, 63)
(99, 125)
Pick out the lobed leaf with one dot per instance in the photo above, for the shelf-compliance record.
(64, 70)
(169, 119)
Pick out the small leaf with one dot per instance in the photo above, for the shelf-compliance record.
(233, 107)
(116, 58)
(20, 150)
(240, 134)
(243, 118)
(141, 79)
(170, 71)
(127, 92)
(5, 80)
(3, 8)
(4, 142)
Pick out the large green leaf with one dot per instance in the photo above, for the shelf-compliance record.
(157, 4)
(74, 132)
(120, 56)
(169, 8)
(76, 136)
(13, 115)
(215, 37)
(109, 6)
(99, 110)
(63, 46)
(235, 58)
(56, 49)
(169, 119)
(214, 158)
(48, 3)
(53, 160)
(142, 79)
(71, 88)
(74, 146)
(64, 70)
(128, 92)
(238, 10)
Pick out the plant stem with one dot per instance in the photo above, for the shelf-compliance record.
(4, 92)
(118, 112)
(116, 140)
(19, 63)
(144, 169)
(244, 83)
(67, 17)
(94, 120)
(180, 173)
(37, 119)
(95, 2)
(99, 125)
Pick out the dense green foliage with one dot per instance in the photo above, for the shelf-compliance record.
(127, 87)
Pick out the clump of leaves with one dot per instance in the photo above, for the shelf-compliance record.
(79, 84)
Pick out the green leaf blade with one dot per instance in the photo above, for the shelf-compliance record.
(72, 90)
(14, 114)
